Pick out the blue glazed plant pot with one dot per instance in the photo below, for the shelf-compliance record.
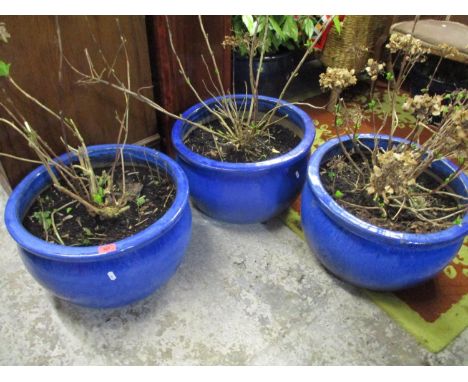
(116, 274)
(366, 255)
(245, 192)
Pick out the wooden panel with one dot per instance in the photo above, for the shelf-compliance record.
(171, 90)
(34, 55)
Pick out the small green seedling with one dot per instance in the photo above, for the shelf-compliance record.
(98, 197)
(87, 231)
(4, 69)
(43, 218)
(338, 194)
(140, 201)
(458, 221)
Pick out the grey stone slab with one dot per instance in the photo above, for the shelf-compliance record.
(244, 295)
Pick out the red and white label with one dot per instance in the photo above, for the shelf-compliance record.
(102, 249)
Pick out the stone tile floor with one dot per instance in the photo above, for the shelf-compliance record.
(244, 295)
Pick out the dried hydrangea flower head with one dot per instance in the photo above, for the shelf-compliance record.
(374, 68)
(392, 175)
(238, 41)
(424, 105)
(337, 78)
(4, 35)
(448, 51)
(456, 139)
(411, 47)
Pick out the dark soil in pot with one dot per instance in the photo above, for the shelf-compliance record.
(339, 176)
(277, 140)
(153, 190)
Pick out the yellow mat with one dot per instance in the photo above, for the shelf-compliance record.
(435, 312)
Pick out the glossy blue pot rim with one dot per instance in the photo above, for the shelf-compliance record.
(301, 149)
(58, 252)
(364, 229)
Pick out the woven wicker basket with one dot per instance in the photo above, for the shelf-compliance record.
(354, 45)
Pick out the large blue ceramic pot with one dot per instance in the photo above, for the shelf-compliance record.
(115, 274)
(364, 254)
(245, 192)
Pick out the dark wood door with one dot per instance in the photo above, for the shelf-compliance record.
(171, 91)
(33, 53)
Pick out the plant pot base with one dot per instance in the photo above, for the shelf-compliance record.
(112, 275)
(366, 255)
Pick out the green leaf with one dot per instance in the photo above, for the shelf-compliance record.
(290, 28)
(249, 23)
(261, 23)
(331, 174)
(339, 122)
(389, 76)
(69, 209)
(336, 21)
(338, 194)
(98, 198)
(308, 27)
(4, 69)
(276, 27)
(43, 218)
(458, 221)
(140, 201)
(87, 231)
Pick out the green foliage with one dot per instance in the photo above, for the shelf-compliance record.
(43, 218)
(4, 69)
(87, 231)
(308, 27)
(389, 76)
(338, 194)
(372, 104)
(458, 221)
(140, 201)
(284, 31)
(290, 28)
(249, 24)
(98, 197)
(331, 174)
(85, 241)
(336, 21)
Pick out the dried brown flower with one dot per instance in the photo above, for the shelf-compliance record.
(409, 45)
(448, 51)
(337, 78)
(424, 105)
(4, 35)
(392, 174)
(373, 68)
